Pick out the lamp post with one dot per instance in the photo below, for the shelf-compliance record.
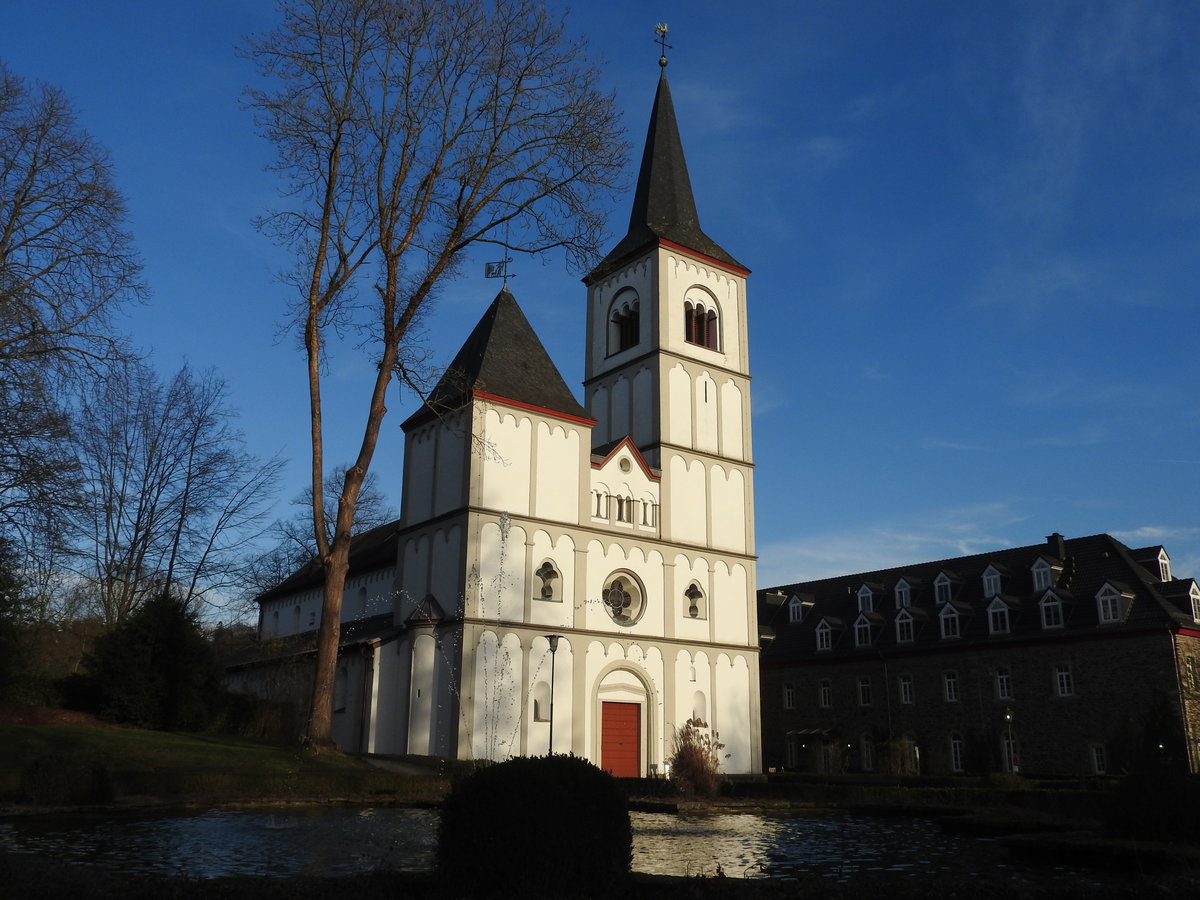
(553, 641)
(1008, 747)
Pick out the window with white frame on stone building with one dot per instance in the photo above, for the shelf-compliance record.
(789, 695)
(862, 633)
(998, 617)
(795, 610)
(1052, 611)
(991, 582)
(866, 752)
(824, 636)
(904, 627)
(1043, 575)
(1189, 665)
(1194, 599)
(948, 620)
(957, 756)
(1064, 685)
(950, 686)
(1108, 604)
(864, 690)
(825, 693)
(866, 599)
(1003, 684)
(903, 594)
(1099, 757)
(792, 752)
(906, 689)
(942, 589)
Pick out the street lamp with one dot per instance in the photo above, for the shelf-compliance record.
(1008, 747)
(553, 641)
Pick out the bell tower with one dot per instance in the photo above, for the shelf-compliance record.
(667, 361)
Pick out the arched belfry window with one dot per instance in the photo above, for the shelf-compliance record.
(624, 322)
(547, 574)
(701, 324)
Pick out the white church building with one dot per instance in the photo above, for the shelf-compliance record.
(571, 578)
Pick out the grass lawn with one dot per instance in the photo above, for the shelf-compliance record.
(80, 764)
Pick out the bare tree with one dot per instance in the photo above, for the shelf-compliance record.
(409, 130)
(66, 265)
(172, 498)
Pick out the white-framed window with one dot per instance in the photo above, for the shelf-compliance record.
(795, 610)
(1189, 667)
(1194, 597)
(825, 693)
(904, 627)
(1099, 758)
(864, 690)
(824, 636)
(948, 620)
(1043, 575)
(1164, 565)
(1108, 604)
(1003, 684)
(866, 599)
(957, 746)
(1064, 685)
(792, 752)
(950, 686)
(903, 594)
(999, 618)
(789, 695)
(1008, 751)
(942, 589)
(1052, 611)
(866, 749)
(906, 689)
(862, 632)
(991, 581)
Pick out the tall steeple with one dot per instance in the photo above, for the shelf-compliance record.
(664, 208)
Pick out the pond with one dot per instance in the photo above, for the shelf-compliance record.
(331, 841)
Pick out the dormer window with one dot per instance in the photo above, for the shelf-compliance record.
(866, 600)
(700, 325)
(999, 617)
(1194, 597)
(795, 610)
(1043, 575)
(862, 632)
(1052, 611)
(903, 594)
(904, 627)
(1109, 605)
(824, 636)
(991, 582)
(942, 589)
(624, 322)
(1164, 565)
(948, 619)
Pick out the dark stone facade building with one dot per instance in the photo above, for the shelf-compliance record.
(1075, 656)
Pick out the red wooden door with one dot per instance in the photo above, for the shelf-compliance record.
(620, 739)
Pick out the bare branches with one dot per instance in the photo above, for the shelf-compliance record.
(407, 131)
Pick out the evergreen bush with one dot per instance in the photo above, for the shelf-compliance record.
(550, 826)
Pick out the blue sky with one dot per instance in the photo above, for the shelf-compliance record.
(974, 231)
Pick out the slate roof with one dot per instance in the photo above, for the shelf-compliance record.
(502, 357)
(663, 205)
(374, 549)
(1087, 563)
(360, 631)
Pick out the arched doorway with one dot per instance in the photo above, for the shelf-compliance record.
(622, 699)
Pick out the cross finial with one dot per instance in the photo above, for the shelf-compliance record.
(661, 30)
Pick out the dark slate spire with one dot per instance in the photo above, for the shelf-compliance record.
(502, 357)
(663, 205)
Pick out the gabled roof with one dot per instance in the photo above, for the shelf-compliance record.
(374, 549)
(1087, 564)
(502, 358)
(664, 208)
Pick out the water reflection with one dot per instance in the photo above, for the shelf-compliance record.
(338, 841)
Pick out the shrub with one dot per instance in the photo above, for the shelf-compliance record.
(547, 826)
(696, 760)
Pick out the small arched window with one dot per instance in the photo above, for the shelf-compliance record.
(694, 597)
(700, 325)
(624, 322)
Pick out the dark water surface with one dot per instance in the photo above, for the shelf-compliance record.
(332, 841)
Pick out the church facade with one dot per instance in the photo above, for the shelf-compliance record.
(569, 578)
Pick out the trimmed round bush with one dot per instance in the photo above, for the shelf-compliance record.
(554, 825)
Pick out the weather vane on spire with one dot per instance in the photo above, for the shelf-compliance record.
(661, 30)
